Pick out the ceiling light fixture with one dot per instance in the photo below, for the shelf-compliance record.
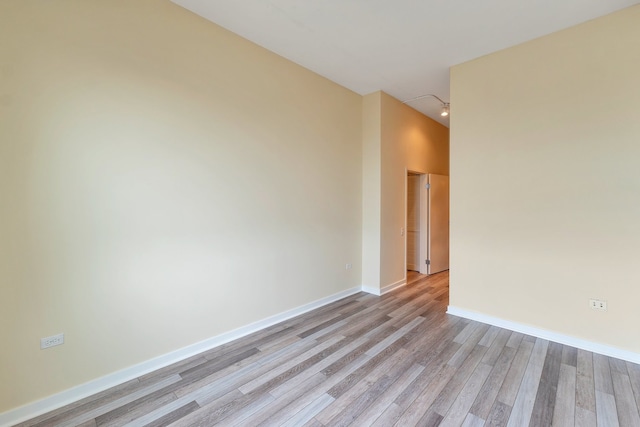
(445, 105)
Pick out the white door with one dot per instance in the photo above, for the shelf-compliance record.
(438, 223)
(413, 222)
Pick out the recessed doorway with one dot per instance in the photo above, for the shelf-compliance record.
(427, 223)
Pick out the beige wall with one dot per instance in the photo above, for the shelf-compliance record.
(414, 142)
(371, 185)
(396, 138)
(545, 182)
(161, 181)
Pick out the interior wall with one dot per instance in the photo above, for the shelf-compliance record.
(371, 184)
(162, 181)
(410, 141)
(545, 183)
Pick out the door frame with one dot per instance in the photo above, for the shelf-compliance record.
(423, 207)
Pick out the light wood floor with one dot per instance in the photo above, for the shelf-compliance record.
(376, 361)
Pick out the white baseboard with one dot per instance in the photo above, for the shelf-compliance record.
(393, 286)
(385, 289)
(92, 387)
(547, 335)
(371, 290)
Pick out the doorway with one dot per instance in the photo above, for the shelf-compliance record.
(413, 222)
(427, 223)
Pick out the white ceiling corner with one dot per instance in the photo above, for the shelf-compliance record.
(403, 47)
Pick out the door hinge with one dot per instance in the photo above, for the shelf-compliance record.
(427, 261)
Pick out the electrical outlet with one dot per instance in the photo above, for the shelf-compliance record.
(51, 341)
(598, 304)
(347, 266)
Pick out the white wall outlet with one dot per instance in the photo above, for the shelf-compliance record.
(348, 266)
(402, 231)
(51, 341)
(598, 304)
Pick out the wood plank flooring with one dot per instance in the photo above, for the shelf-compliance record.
(375, 361)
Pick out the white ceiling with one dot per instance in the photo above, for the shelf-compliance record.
(403, 47)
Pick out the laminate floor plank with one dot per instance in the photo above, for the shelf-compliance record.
(172, 369)
(313, 423)
(459, 410)
(357, 353)
(244, 371)
(419, 347)
(244, 409)
(436, 349)
(489, 336)
(499, 415)
(543, 408)
(462, 337)
(278, 343)
(371, 365)
(308, 413)
(569, 356)
(430, 419)
(367, 360)
(565, 405)
(585, 418)
(418, 407)
(417, 312)
(129, 412)
(515, 339)
(359, 327)
(254, 339)
(468, 346)
(358, 386)
(282, 402)
(511, 384)
(625, 402)
(84, 405)
(361, 403)
(295, 381)
(175, 415)
(78, 418)
(163, 412)
(288, 405)
(416, 303)
(452, 389)
(634, 376)
(385, 400)
(488, 394)
(389, 416)
(432, 369)
(585, 384)
(308, 399)
(602, 374)
(606, 411)
(282, 369)
(394, 337)
(525, 399)
(473, 421)
(617, 365)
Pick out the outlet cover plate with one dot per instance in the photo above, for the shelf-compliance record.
(598, 304)
(51, 341)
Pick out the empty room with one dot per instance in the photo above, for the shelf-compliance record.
(285, 213)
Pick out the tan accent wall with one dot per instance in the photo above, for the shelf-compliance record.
(545, 182)
(162, 181)
(397, 138)
(410, 141)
